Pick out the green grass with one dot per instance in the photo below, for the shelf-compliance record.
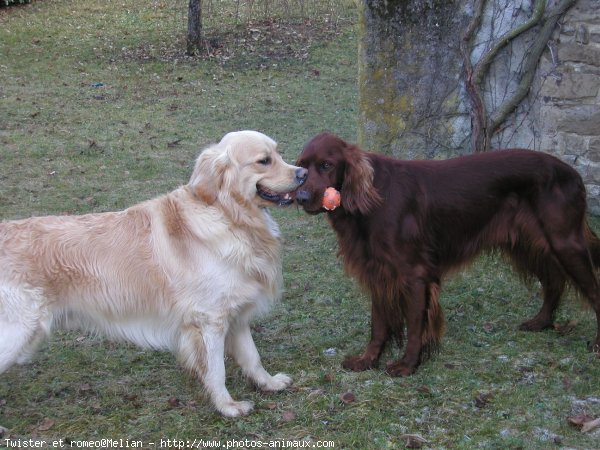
(99, 110)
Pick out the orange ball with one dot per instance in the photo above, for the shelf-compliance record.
(331, 199)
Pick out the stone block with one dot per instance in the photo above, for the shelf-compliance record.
(571, 86)
(573, 52)
(589, 171)
(583, 120)
(593, 198)
(585, 10)
(594, 149)
(565, 144)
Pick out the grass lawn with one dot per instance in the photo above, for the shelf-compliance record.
(100, 109)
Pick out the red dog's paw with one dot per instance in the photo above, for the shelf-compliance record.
(536, 324)
(359, 363)
(399, 369)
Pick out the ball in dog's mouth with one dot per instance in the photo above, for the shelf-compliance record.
(331, 199)
(280, 199)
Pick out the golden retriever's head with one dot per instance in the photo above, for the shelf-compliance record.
(245, 166)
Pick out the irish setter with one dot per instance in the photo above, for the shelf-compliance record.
(402, 225)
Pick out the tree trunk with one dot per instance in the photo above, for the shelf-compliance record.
(194, 34)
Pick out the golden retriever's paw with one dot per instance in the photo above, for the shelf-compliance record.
(235, 409)
(277, 382)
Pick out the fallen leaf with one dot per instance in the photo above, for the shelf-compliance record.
(414, 440)
(192, 404)
(589, 426)
(329, 377)
(483, 399)
(348, 397)
(579, 419)
(46, 424)
(85, 388)
(488, 327)
(288, 416)
(259, 328)
(174, 402)
(315, 393)
(96, 408)
(564, 329)
(424, 389)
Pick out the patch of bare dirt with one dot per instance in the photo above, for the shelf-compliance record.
(257, 44)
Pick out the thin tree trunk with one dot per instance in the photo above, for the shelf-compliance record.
(194, 34)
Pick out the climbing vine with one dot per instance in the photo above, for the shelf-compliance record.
(485, 123)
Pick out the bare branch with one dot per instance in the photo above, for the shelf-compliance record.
(488, 57)
(529, 68)
(482, 126)
(478, 114)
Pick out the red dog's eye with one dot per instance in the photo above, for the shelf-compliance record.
(325, 165)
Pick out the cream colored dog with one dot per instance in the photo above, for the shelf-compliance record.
(184, 272)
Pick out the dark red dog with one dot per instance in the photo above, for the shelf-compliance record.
(402, 225)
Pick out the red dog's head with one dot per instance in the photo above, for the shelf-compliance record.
(333, 162)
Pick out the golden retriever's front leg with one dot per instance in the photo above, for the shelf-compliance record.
(202, 351)
(241, 346)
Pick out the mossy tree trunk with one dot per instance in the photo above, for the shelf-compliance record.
(408, 66)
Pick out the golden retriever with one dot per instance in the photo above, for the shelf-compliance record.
(184, 272)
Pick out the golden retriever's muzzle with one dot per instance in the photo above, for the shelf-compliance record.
(283, 198)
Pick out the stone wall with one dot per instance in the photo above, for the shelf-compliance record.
(569, 104)
(412, 98)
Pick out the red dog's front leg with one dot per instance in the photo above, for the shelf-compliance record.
(415, 321)
(380, 334)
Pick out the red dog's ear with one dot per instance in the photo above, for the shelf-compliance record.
(358, 192)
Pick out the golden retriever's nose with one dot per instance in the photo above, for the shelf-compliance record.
(301, 174)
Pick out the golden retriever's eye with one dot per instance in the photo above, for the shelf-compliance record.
(265, 161)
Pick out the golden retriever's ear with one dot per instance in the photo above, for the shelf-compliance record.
(358, 192)
(209, 171)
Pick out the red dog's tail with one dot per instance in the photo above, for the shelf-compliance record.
(594, 245)
(435, 324)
